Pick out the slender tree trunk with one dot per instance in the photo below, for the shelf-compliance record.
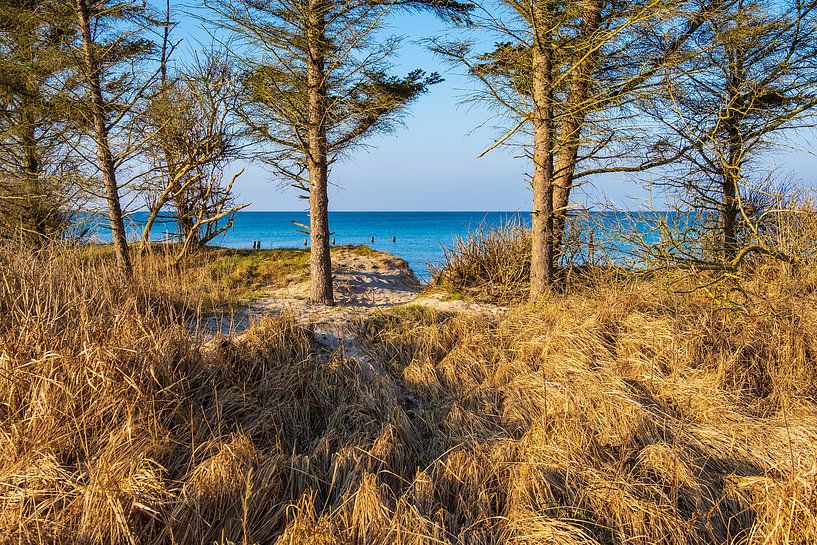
(35, 201)
(320, 264)
(730, 208)
(574, 121)
(729, 220)
(563, 183)
(542, 266)
(104, 155)
(168, 192)
(731, 176)
(186, 224)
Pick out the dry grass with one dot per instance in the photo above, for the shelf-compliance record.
(629, 415)
(491, 263)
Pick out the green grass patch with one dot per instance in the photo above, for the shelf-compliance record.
(454, 296)
(361, 250)
(250, 270)
(223, 276)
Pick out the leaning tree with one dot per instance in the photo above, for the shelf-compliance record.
(111, 50)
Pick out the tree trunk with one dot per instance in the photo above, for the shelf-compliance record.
(186, 220)
(573, 121)
(320, 263)
(38, 204)
(104, 155)
(729, 220)
(542, 269)
(731, 164)
(172, 178)
(730, 210)
(35, 200)
(563, 182)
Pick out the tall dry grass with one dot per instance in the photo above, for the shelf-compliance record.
(631, 415)
(491, 263)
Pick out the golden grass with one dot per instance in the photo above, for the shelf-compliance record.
(624, 415)
(492, 263)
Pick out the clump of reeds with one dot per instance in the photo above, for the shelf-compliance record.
(627, 415)
(492, 262)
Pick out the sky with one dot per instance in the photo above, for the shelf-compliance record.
(431, 163)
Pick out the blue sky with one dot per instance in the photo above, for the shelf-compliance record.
(431, 163)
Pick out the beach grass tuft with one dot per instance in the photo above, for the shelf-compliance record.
(491, 263)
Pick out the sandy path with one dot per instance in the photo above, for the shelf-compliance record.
(364, 284)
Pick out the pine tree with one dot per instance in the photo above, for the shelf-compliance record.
(39, 172)
(565, 76)
(317, 77)
(749, 80)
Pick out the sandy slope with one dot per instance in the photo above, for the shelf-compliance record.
(361, 282)
(364, 284)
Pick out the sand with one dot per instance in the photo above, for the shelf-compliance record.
(364, 284)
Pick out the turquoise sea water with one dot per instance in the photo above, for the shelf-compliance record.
(417, 237)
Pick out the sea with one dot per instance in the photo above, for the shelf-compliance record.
(417, 237)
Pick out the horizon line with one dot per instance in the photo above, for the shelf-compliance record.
(443, 211)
